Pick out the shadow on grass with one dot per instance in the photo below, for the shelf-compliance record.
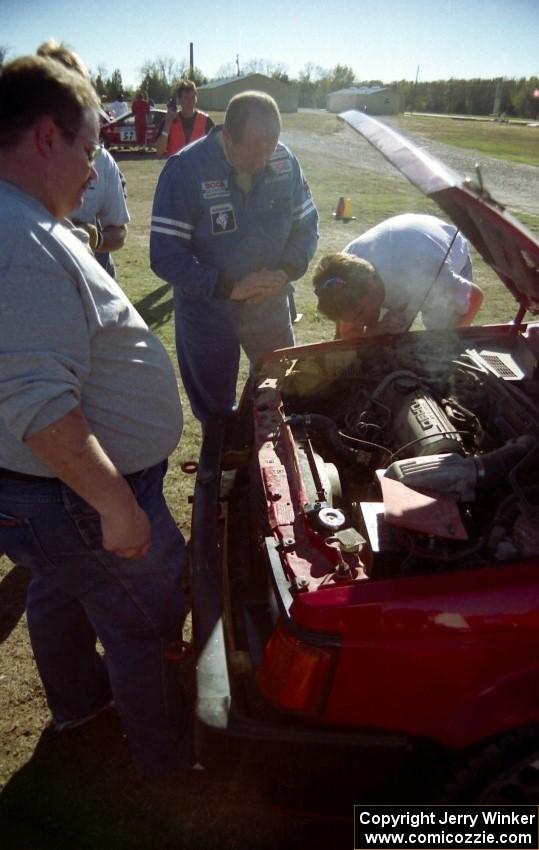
(155, 311)
(79, 791)
(13, 589)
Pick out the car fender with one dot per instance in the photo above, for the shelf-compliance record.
(509, 703)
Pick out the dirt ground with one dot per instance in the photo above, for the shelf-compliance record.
(41, 780)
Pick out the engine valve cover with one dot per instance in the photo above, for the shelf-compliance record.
(420, 423)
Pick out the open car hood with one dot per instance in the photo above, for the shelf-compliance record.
(503, 242)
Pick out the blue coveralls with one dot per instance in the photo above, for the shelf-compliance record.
(206, 231)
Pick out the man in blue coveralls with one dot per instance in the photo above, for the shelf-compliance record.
(233, 224)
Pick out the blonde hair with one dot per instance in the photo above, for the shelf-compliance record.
(340, 281)
(52, 49)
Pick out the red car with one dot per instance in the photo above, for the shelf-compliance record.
(120, 133)
(365, 538)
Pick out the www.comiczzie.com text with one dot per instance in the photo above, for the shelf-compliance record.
(483, 826)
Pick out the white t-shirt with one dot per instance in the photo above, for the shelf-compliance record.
(119, 108)
(104, 199)
(419, 259)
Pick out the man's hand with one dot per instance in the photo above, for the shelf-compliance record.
(258, 286)
(393, 322)
(94, 235)
(74, 454)
(126, 534)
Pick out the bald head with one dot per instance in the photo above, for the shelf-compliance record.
(251, 131)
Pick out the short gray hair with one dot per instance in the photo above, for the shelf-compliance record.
(248, 104)
(32, 87)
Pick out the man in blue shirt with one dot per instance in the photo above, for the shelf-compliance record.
(89, 412)
(233, 224)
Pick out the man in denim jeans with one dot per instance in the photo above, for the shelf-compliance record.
(89, 412)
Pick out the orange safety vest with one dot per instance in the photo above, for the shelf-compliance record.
(176, 135)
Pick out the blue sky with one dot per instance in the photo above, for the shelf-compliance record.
(382, 39)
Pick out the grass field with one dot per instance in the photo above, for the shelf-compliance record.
(517, 143)
(84, 796)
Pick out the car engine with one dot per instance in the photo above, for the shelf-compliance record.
(417, 452)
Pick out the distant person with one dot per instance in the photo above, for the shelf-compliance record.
(141, 109)
(103, 213)
(89, 413)
(405, 266)
(233, 223)
(119, 107)
(187, 125)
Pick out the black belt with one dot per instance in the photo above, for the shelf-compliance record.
(12, 475)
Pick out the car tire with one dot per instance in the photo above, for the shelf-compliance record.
(504, 771)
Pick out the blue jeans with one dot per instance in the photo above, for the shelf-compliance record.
(79, 592)
(209, 334)
(105, 260)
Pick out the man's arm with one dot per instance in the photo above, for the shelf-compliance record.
(113, 237)
(113, 215)
(161, 144)
(303, 238)
(108, 232)
(476, 299)
(110, 238)
(174, 215)
(73, 453)
(453, 302)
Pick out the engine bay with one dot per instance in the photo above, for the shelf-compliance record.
(404, 454)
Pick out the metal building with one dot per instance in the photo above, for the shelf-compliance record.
(215, 96)
(376, 100)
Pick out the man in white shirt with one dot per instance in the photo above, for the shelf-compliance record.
(103, 212)
(405, 266)
(119, 107)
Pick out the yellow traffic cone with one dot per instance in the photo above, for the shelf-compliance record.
(347, 211)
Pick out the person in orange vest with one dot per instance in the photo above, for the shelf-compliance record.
(181, 128)
(141, 109)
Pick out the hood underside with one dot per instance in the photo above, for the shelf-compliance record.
(502, 241)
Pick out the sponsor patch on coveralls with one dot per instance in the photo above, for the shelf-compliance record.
(281, 166)
(213, 188)
(223, 219)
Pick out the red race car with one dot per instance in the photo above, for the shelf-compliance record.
(365, 537)
(120, 132)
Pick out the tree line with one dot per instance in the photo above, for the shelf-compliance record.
(500, 96)
(497, 96)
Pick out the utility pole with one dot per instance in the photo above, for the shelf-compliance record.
(415, 89)
(238, 63)
(191, 61)
(497, 99)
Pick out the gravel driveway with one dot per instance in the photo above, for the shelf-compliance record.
(516, 186)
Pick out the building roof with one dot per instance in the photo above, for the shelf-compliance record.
(361, 90)
(225, 81)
